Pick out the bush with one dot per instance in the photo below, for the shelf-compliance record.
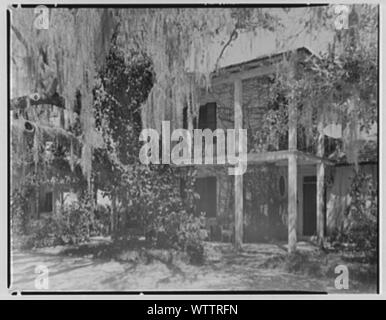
(360, 233)
(195, 252)
(75, 222)
(191, 234)
(44, 232)
(19, 209)
(148, 200)
(70, 225)
(102, 221)
(181, 231)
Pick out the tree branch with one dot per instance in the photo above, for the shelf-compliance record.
(232, 37)
(21, 102)
(20, 37)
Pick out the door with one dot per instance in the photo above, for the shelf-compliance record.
(206, 188)
(309, 206)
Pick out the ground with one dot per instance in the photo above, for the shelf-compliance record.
(259, 267)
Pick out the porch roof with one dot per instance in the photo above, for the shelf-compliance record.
(278, 157)
(281, 156)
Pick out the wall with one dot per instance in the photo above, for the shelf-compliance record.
(255, 93)
(264, 214)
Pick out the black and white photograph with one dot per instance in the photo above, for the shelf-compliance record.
(183, 148)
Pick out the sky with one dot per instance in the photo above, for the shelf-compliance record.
(248, 46)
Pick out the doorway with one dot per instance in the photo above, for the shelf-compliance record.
(309, 206)
(207, 189)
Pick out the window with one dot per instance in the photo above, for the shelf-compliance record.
(207, 119)
(46, 202)
(208, 116)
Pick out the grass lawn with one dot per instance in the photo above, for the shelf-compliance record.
(259, 267)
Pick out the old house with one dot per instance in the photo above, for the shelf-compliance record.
(294, 188)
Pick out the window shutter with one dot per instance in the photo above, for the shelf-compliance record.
(208, 116)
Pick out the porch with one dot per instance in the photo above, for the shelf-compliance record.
(267, 194)
(291, 159)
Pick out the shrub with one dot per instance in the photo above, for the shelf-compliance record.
(19, 209)
(195, 252)
(75, 222)
(71, 224)
(360, 234)
(181, 231)
(102, 221)
(44, 232)
(363, 210)
(191, 234)
(147, 199)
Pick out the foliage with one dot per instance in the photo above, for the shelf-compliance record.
(19, 210)
(102, 221)
(181, 44)
(148, 199)
(157, 61)
(22, 202)
(360, 232)
(274, 127)
(71, 224)
(123, 87)
(180, 231)
(339, 86)
(190, 236)
(66, 57)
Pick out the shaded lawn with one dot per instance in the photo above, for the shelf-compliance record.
(101, 267)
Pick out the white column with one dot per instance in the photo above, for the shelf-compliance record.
(320, 173)
(292, 202)
(292, 178)
(238, 178)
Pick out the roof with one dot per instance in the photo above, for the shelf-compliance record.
(258, 61)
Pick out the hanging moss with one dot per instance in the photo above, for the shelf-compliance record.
(66, 57)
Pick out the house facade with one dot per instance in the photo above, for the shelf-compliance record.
(293, 189)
